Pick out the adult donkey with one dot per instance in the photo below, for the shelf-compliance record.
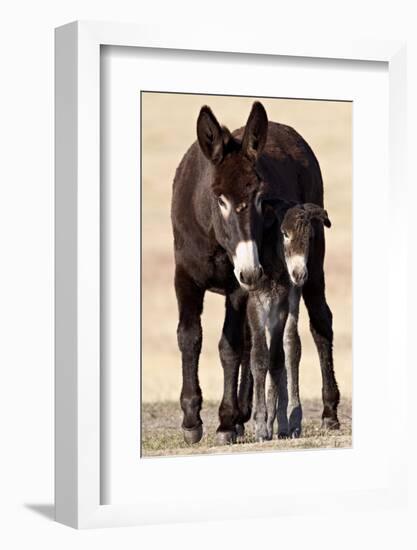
(218, 217)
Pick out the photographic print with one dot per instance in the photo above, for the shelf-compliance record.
(246, 270)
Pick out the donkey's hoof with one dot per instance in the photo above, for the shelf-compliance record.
(295, 433)
(283, 435)
(193, 435)
(330, 424)
(225, 438)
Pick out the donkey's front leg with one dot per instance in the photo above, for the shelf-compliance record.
(292, 350)
(245, 394)
(190, 305)
(230, 350)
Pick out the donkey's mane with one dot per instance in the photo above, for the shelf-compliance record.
(237, 176)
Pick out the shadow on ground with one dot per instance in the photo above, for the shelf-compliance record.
(45, 510)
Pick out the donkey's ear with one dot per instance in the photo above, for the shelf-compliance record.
(210, 135)
(317, 213)
(256, 132)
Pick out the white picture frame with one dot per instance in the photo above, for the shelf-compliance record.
(78, 405)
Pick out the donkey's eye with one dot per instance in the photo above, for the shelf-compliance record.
(221, 202)
(285, 234)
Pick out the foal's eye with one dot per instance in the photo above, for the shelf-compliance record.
(285, 234)
(221, 202)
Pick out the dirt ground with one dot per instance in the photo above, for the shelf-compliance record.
(168, 129)
(162, 435)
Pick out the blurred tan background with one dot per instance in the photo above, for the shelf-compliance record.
(168, 129)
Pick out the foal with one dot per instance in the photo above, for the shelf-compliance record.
(275, 306)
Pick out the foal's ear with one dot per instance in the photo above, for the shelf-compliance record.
(210, 135)
(256, 132)
(317, 213)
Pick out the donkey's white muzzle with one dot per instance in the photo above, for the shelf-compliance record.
(247, 268)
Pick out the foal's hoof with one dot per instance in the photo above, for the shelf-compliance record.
(330, 424)
(225, 438)
(261, 434)
(193, 435)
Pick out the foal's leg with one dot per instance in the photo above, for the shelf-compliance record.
(230, 349)
(277, 392)
(259, 362)
(190, 306)
(292, 349)
(321, 329)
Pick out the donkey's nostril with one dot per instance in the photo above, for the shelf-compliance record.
(251, 277)
(246, 277)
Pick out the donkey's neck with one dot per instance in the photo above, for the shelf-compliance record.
(272, 256)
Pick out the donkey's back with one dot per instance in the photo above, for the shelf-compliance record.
(288, 165)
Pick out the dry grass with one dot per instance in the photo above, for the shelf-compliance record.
(162, 433)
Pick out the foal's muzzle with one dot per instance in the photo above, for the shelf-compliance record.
(299, 276)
